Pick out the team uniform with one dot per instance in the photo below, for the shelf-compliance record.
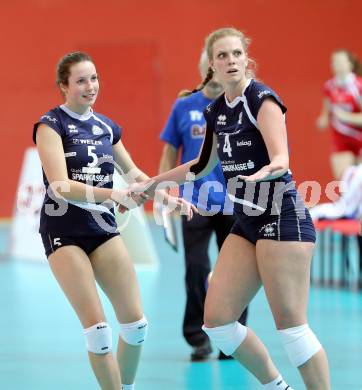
(185, 129)
(87, 141)
(264, 210)
(347, 96)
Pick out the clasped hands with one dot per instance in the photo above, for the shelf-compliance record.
(126, 199)
(136, 195)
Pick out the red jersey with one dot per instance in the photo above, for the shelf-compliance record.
(348, 96)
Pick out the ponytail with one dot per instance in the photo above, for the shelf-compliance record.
(186, 92)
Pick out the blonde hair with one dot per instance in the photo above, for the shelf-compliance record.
(187, 92)
(209, 43)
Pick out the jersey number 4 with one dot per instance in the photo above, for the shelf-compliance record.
(227, 146)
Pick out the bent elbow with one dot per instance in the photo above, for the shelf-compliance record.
(202, 168)
(198, 166)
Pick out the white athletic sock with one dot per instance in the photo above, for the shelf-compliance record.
(130, 387)
(277, 384)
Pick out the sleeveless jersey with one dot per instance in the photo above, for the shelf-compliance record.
(87, 142)
(242, 151)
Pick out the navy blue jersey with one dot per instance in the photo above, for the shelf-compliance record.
(87, 142)
(185, 129)
(242, 150)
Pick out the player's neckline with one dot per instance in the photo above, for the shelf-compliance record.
(239, 98)
(81, 117)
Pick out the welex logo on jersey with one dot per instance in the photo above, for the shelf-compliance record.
(87, 141)
(221, 120)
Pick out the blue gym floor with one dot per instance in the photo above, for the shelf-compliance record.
(42, 347)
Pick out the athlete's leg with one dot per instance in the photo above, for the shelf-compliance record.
(74, 273)
(284, 268)
(115, 274)
(234, 282)
(222, 226)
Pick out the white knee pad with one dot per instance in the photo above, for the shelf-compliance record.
(300, 343)
(134, 333)
(227, 337)
(98, 338)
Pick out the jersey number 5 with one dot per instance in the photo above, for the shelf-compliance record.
(93, 155)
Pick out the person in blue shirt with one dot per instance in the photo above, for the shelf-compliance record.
(185, 131)
(79, 150)
(272, 240)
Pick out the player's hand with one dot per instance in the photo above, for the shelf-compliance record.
(265, 173)
(145, 187)
(173, 203)
(127, 199)
(185, 208)
(262, 174)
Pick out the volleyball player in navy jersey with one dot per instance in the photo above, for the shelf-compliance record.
(78, 149)
(185, 131)
(273, 237)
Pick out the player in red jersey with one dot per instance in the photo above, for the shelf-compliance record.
(342, 110)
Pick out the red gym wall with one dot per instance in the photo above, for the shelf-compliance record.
(146, 51)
